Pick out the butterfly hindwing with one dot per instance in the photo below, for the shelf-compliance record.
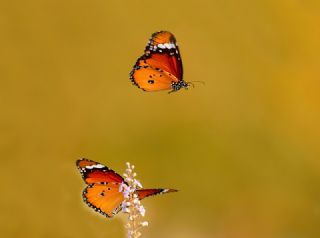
(104, 198)
(94, 172)
(153, 79)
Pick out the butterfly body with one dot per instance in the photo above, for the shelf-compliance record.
(103, 191)
(160, 68)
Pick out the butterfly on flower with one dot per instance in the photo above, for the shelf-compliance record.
(104, 188)
(160, 67)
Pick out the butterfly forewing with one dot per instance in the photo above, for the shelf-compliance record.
(94, 172)
(164, 53)
(160, 37)
(143, 193)
(166, 63)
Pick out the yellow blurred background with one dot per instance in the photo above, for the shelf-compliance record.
(243, 150)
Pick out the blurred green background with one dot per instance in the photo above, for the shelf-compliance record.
(243, 150)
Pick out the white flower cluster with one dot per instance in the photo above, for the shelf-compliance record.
(131, 204)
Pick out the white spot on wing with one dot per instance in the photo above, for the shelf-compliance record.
(167, 45)
(96, 166)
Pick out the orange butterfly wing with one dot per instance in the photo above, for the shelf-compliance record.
(160, 68)
(104, 198)
(164, 53)
(167, 63)
(94, 172)
(153, 79)
(143, 193)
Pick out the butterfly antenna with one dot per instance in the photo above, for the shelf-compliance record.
(192, 83)
(202, 82)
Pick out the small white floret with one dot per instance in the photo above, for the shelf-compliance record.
(136, 201)
(142, 211)
(144, 223)
(137, 183)
(126, 210)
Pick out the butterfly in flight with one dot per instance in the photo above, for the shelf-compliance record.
(160, 67)
(103, 190)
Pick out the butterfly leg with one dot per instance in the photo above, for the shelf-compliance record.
(172, 91)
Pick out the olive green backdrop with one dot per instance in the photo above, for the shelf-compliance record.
(243, 149)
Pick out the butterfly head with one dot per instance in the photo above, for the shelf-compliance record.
(178, 85)
(183, 84)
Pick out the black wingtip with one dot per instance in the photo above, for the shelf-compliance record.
(79, 160)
